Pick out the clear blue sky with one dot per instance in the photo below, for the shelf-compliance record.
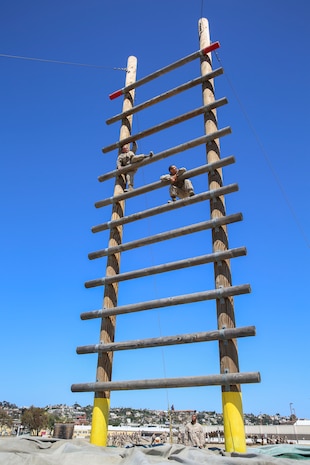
(52, 131)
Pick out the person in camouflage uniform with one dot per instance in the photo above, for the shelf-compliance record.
(194, 435)
(181, 188)
(128, 157)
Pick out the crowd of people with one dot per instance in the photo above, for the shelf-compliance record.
(193, 435)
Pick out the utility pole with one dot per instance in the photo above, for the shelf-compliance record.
(100, 418)
(234, 430)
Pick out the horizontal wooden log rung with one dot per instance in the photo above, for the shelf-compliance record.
(212, 194)
(229, 379)
(221, 293)
(166, 95)
(202, 169)
(166, 69)
(206, 336)
(207, 168)
(167, 124)
(172, 234)
(172, 151)
(166, 267)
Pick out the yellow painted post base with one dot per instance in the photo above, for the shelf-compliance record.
(100, 422)
(234, 432)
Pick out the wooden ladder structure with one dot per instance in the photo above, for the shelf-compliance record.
(226, 333)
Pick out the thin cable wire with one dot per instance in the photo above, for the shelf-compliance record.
(201, 10)
(154, 279)
(264, 152)
(60, 62)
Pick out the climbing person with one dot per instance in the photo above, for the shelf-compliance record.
(128, 157)
(181, 188)
(194, 435)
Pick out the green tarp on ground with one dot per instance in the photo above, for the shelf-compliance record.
(292, 451)
(33, 451)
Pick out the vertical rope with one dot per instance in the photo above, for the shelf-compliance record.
(266, 157)
(154, 278)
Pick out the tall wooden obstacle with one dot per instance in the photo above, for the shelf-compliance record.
(226, 333)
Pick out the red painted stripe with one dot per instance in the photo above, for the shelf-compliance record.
(116, 94)
(211, 47)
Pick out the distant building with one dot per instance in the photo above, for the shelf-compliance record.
(302, 422)
(258, 434)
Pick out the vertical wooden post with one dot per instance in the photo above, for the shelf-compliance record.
(234, 431)
(100, 418)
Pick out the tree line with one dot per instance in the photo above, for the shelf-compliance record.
(32, 418)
